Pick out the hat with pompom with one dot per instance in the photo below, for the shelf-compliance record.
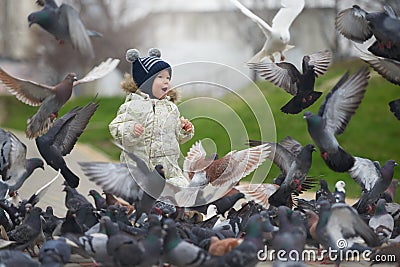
(144, 68)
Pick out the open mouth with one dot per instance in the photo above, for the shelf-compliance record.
(164, 89)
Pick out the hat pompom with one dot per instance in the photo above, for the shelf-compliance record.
(154, 52)
(132, 55)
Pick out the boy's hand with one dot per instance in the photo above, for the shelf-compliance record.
(186, 125)
(138, 129)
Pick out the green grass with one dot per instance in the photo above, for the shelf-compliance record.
(373, 131)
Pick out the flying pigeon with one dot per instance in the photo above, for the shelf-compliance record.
(359, 25)
(373, 179)
(278, 35)
(340, 192)
(382, 222)
(294, 161)
(49, 98)
(222, 172)
(64, 23)
(259, 193)
(334, 114)
(300, 85)
(14, 166)
(135, 184)
(61, 138)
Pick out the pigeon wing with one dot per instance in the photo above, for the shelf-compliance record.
(287, 14)
(195, 157)
(291, 145)
(71, 129)
(28, 92)
(352, 24)
(283, 74)
(99, 71)
(259, 193)
(77, 31)
(388, 68)
(115, 178)
(17, 158)
(241, 163)
(320, 60)
(342, 101)
(365, 173)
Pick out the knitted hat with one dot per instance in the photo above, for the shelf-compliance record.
(144, 69)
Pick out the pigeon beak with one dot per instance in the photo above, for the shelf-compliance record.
(75, 79)
(30, 24)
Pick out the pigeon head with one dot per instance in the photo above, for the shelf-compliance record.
(39, 17)
(71, 77)
(33, 164)
(340, 186)
(380, 207)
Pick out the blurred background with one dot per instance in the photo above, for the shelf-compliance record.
(187, 31)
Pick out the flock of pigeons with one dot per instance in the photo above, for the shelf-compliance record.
(137, 224)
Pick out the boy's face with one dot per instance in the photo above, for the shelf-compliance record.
(161, 84)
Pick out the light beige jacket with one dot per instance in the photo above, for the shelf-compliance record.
(159, 144)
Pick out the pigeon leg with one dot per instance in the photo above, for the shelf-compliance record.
(282, 57)
(90, 264)
(53, 116)
(271, 57)
(380, 45)
(324, 155)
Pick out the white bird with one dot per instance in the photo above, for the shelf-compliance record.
(278, 35)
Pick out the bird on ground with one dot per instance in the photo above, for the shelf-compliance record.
(389, 193)
(62, 137)
(55, 253)
(340, 192)
(224, 172)
(64, 23)
(382, 222)
(278, 34)
(336, 226)
(294, 161)
(373, 179)
(134, 184)
(359, 25)
(49, 98)
(300, 85)
(339, 105)
(15, 168)
(324, 192)
(17, 258)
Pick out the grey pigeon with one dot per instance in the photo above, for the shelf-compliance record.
(294, 160)
(99, 201)
(389, 193)
(55, 253)
(49, 98)
(73, 199)
(336, 226)
(340, 192)
(16, 258)
(174, 245)
(334, 114)
(382, 222)
(135, 184)
(62, 137)
(300, 85)
(64, 23)
(359, 25)
(373, 179)
(124, 249)
(28, 231)
(324, 192)
(15, 168)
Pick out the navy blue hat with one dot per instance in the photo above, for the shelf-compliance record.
(144, 68)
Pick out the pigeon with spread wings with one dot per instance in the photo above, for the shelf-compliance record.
(61, 138)
(300, 85)
(334, 114)
(223, 172)
(49, 98)
(64, 23)
(359, 25)
(278, 35)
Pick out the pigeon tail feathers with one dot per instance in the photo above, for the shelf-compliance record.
(70, 177)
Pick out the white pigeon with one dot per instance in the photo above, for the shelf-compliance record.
(278, 35)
